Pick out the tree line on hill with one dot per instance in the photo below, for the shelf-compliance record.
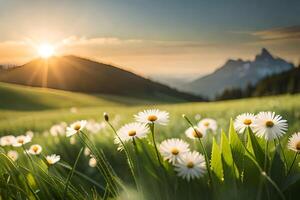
(287, 82)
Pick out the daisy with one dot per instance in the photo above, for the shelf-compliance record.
(21, 140)
(76, 127)
(172, 149)
(92, 162)
(58, 129)
(52, 159)
(152, 116)
(13, 155)
(195, 133)
(93, 127)
(243, 121)
(30, 133)
(208, 124)
(7, 140)
(294, 142)
(191, 165)
(35, 149)
(130, 131)
(270, 126)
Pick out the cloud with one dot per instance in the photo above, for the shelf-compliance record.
(75, 40)
(285, 33)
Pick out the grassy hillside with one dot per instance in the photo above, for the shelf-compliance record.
(77, 74)
(16, 97)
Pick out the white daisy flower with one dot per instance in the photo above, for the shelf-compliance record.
(152, 116)
(294, 142)
(191, 165)
(7, 140)
(76, 127)
(57, 129)
(21, 140)
(92, 162)
(172, 149)
(195, 133)
(13, 155)
(197, 117)
(35, 149)
(130, 131)
(93, 127)
(208, 124)
(243, 121)
(30, 133)
(52, 159)
(270, 126)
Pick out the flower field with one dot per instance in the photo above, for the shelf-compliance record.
(245, 149)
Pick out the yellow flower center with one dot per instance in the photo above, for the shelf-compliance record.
(206, 124)
(175, 151)
(21, 140)
(298, 146)
(152, 118)
(35, 148)
(247, 122)
(197, 134)
(132, 133)
(269, 124)
(190, 164)
(77, 127)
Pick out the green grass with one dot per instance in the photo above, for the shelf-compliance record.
(20, 98)
(19, 121)
(43, 108)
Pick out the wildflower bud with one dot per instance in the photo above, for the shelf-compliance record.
(183, 115)
(105, 115)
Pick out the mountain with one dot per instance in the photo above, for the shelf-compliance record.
(286, 82)
(238, 74)
(77, 74)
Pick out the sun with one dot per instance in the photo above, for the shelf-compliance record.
(46, 50)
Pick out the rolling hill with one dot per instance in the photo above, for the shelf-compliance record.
(238, 74)
(21, 98)
(77, 74)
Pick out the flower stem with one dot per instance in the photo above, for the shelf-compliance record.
(252, 157)
(71, 173)
(154, 143)
(282, 151)
(130, 163)
(266, 156)
(202, 147)
(82, 175)
(103, 166)
(290, 169)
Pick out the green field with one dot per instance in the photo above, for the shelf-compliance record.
(35, 109)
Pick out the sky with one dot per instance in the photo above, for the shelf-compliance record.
(162, 38)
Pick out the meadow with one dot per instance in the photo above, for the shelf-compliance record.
(91, 167)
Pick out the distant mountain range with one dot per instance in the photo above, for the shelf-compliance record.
(287, 82)
(82, 75)
(238, 74)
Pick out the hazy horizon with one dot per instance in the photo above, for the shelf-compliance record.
(151, 38)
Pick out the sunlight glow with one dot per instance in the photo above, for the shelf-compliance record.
(46, 50)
